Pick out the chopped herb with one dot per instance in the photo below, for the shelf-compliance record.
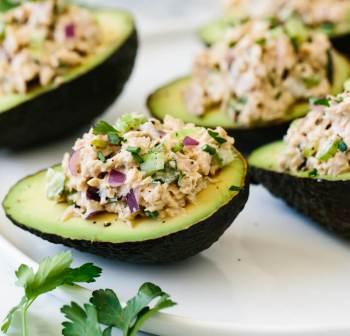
(114, 138)
(209, 149)
(177, 148)
(313, 173)
(319, 101)
(216, 137)
(235, 188)
(311, 82)
(342, 146)
(103, 127)
(242, 100)
(273, 21)
(101, 157)
(327, 27)
(151, 214)
(261, 41)
(135, 152)
(168, 175)
(53, 272)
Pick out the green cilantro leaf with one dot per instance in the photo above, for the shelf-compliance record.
(151, 214)
(135, 313)
(82, 321)
(216, 137)
(209, 149)
(342, 146)
(104, 128)
(101, 157)
(135, 152)
(235, 188)
(52, 273)
(319, 101)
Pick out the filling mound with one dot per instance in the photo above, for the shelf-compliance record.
(260, 70)
(319, 143)
(41, 41)
(139, 167)
(311, 12)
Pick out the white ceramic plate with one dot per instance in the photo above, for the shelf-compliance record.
(273, 273)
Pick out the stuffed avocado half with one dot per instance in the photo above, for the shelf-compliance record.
(138, 191)
(64, 72)
(255, 82)
(310, 169)
(327, 16)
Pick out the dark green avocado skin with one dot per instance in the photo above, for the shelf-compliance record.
(172, 248)
(73, 104)
(326, 202)
(246, 140)
(341, 43)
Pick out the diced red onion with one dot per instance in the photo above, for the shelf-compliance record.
(69, 30)
(93, 214)
(132, 201)
(93, 194)
(161, 134)
(116, 178)
(74, 162)
(188, 141)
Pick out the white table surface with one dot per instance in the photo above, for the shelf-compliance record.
(161, 17)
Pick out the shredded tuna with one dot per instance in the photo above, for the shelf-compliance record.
(320, 142)
(312, 12)
(41, 40)
(259, 71)
(162, 174)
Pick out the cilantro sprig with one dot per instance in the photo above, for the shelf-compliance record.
(136, 311)
(101, 315)
(53, 272)
(104, 128)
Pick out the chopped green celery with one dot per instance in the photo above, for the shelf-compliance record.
(276, 32)
(99, 143)
(328, 149)
(152, 162)
(180, 135)
(310, 150)
(296, 31)
(54, 184)
(225, 155)
(128, 122)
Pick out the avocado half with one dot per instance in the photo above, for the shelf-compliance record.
(147, 240)
(47, 113)
(325, 199)
(168, 100)
(215, 30)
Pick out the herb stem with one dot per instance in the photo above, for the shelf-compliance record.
(24, 321)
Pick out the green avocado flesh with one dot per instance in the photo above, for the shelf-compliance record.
(116, 26)
(51, 112)
(322, 198)
(267, 158)
(215, 30)
(146, 240)
(168, 100)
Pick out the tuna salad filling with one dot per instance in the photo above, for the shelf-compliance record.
(311, 12)
(139, 167)
(319, 143)
(41, 40)
(259, 71)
